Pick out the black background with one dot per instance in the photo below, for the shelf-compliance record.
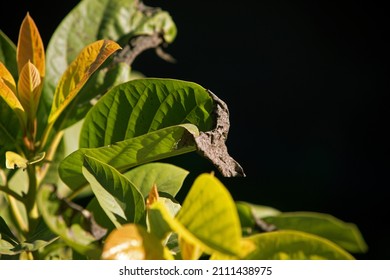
(305, 82)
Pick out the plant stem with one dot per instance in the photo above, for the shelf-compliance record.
(31, 204)
(11, 193)
(49, 157)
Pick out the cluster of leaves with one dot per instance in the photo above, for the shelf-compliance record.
(77, 121)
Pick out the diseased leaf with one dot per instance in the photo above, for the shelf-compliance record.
(211, 144)
(30, 46)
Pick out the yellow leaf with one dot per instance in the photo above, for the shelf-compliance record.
(132, 242)
(78, 73)
(29, 88)
(8, 93)
(189, 251)
(7, 77)
(30, 46)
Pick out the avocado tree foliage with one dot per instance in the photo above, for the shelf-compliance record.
(77, 121)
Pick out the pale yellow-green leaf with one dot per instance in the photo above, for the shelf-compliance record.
(207, 222)
(247, 246)
(132, 242)
(14, 160)
(209, 212)
(29, 89)
(78, 73)
(30, 46)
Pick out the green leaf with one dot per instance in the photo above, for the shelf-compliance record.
(92, 20)
(8, 54)
(9, 245)
(119, 198)
(6, 234)
(9, 129)
(145, 105)
(294, 245)
(100, 216)
(249, 212)
(167, 177)
(156, 223)
(72, 223)
(124, 155)
(346, 235)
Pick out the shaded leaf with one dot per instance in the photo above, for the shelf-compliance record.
(8, 54)
(6, 234)
(40, 238)
(73, 224)
(251, 216)
(118, 197)
(9, 130)
(100, 216)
